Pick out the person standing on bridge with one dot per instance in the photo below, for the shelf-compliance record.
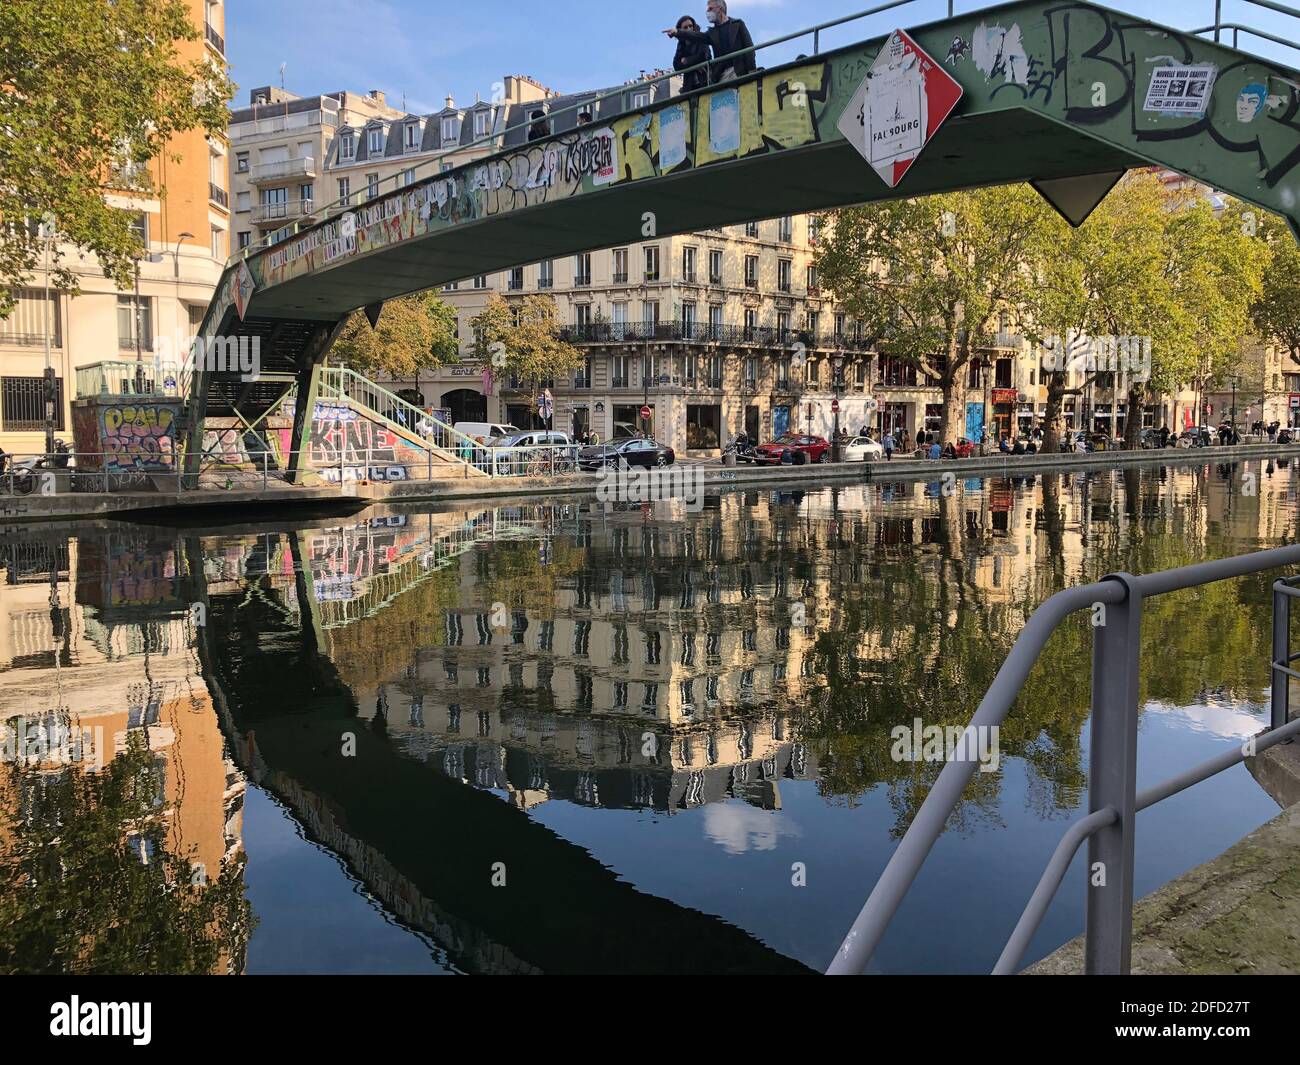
(691, 51)
(727, 36)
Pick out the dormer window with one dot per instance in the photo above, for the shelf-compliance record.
(347, 147)
(641, 98)
(451, 128)
(412, 135)
(377, 141)
(482, 123)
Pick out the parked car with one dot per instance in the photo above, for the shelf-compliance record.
(863, 449)
(794, 448)
(963, 448)
(636, 452)
(530, 444)
(487, 430)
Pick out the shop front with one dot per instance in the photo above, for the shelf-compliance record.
(1004, 412)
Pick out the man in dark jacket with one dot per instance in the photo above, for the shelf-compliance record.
(726, 36)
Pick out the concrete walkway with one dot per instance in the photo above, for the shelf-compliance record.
(713, 476)
(1237, 914)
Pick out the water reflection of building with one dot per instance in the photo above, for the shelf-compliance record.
(97, 647)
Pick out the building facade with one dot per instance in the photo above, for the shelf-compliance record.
(185, 227)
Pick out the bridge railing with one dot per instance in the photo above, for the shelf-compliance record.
(1114, 801)
(495, 139)
(1219, 27)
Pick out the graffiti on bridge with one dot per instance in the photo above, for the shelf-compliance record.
(346, 445)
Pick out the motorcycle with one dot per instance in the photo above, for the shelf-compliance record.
(741, 448)
(21, 478)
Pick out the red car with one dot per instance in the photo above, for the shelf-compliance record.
(794, 448)
(963, 448)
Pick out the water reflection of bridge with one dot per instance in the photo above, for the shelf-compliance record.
(422, 841)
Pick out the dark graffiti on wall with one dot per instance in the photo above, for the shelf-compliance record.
(1103, 64)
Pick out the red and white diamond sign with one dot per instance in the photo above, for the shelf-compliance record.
(902, 101)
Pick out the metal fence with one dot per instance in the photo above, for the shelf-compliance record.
(1113, 798)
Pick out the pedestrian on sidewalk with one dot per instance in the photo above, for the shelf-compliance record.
(889, 445)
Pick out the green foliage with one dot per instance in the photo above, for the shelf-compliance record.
(522, 339)
(74, 898)
(1276, 313)
(90, 89)
(414, 333)
(931, 276)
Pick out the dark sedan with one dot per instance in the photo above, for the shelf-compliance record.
(635, 452)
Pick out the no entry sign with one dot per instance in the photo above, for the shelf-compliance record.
(645, 413)
(902, 101)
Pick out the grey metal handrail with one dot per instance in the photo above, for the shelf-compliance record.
(1113, 798)
(1218, 26)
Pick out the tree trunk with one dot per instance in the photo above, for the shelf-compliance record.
(954, 409)
(1053, 418)
(1137, 395)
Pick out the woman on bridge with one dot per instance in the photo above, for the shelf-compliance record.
(691, 51)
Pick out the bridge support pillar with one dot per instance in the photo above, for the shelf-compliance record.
(298, 470)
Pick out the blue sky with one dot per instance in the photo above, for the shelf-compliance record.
(421, 51)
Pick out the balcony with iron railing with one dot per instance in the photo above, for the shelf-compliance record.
(214, 38)
(278, 124)
(762, 336)
(620, 277)
(263, 214)
(218, 195)
(282, 170)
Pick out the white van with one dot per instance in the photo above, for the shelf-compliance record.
(487, 430)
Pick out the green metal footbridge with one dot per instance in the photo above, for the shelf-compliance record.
(1056, 93)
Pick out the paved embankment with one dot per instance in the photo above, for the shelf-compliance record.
(715, 475)
(1239, 913)
(185, 506)
(78, 505)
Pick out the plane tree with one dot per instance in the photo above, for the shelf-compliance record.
(933, 276)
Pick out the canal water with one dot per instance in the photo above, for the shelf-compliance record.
(569, 736)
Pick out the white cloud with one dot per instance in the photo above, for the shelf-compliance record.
(737, 827)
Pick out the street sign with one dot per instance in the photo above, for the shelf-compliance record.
(645, 414)
(901, 103)
(870, 405)
(835, 406)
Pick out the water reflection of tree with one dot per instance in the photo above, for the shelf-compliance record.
(917, 638)
(76, 896)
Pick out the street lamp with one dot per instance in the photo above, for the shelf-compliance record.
(1235, 379)
(153, 257)
(47, 234)
(837, 389)
(176, 254)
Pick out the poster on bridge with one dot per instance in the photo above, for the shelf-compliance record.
(901, 103)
